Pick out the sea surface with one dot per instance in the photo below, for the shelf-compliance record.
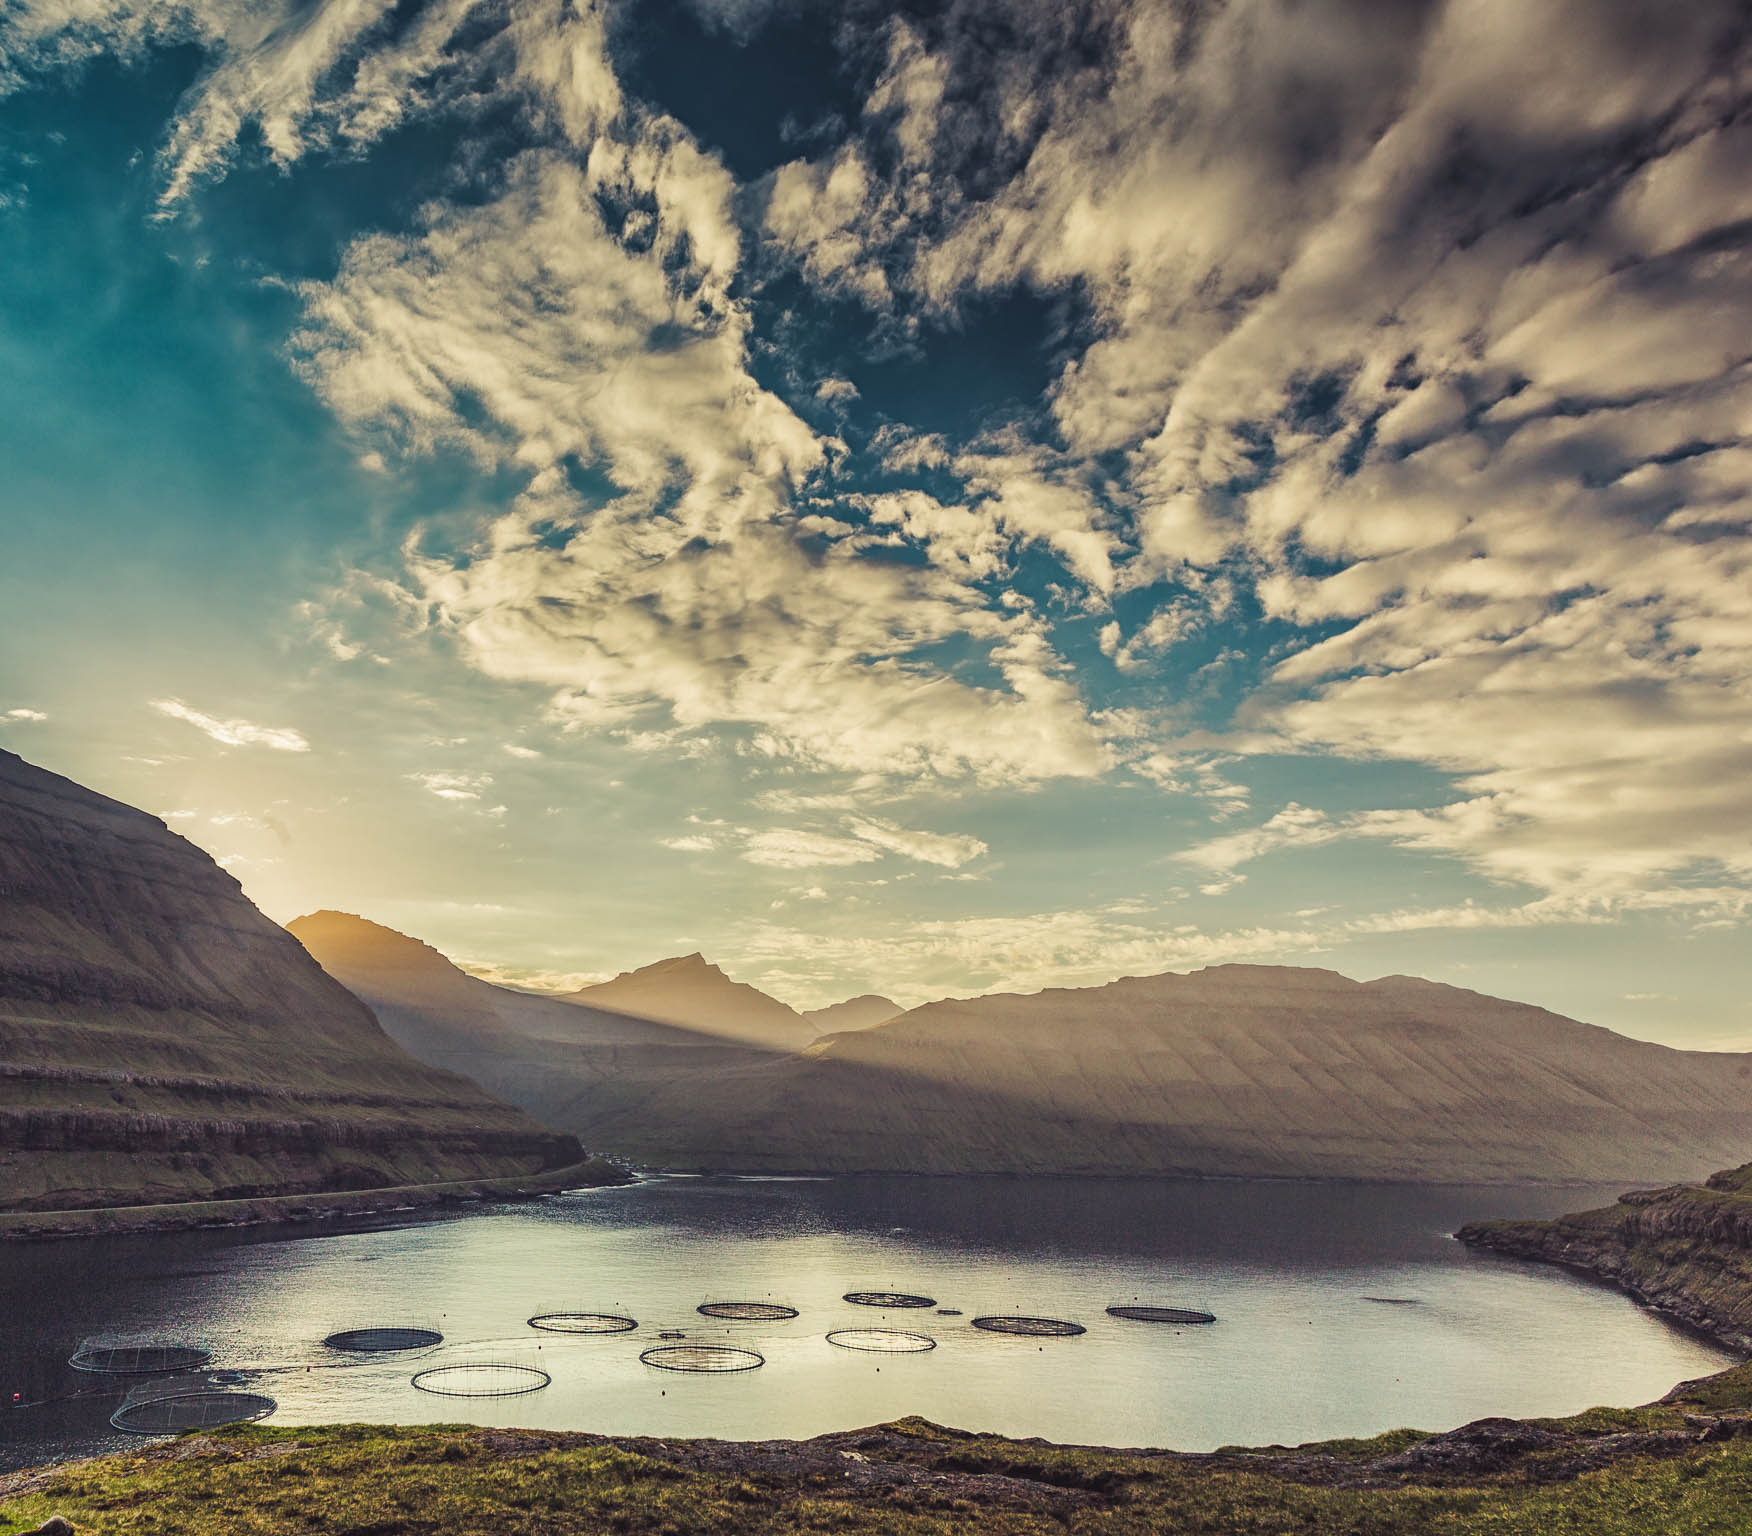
(1343, 1309)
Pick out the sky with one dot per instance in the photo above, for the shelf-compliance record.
(925, 499)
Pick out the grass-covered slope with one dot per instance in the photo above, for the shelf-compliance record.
(1679, 1468)
(161, 1041)
(1686, 1249)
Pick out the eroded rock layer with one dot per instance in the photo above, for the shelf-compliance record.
(162, 1040)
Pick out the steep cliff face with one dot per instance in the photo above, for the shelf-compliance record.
(161, 1040)
(1686, 1249)
(1257, 1070)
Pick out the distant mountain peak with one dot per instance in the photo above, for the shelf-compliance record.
(863, 1012)
(346, 939)
(679, 965)
(690, 991)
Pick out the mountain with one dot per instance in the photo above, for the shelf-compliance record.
(161, 1040)
(853, 1013)
(691, 992)
(563, 1060)
(1236, 1070)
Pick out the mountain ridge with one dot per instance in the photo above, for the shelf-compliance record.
(1278, 1071)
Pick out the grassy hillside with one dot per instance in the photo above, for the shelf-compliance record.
(1679, 1468)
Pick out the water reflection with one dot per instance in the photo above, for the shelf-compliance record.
(1344, 1309)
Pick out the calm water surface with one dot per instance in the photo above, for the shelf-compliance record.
(1300, 1352)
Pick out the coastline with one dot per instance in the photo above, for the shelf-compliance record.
(1684, 1251)
(116, 1221)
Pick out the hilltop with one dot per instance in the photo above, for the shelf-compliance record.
(689, 991)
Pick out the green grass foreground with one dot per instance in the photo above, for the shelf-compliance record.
(1682, 1467)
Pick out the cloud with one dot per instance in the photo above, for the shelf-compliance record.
(233, 733)
(1295, 826)
(718, 612)
(950, 850)
(456, 786)
(23, 716)
(1438, 349)
(694, 842)
(789, 848)
(1402, 364)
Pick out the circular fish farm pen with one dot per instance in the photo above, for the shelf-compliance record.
(1030, 1327)
(882, 1341)
(481, 1379)
(703, 1359)
(1180, 1315)
(582, 1322)
(888, 1299)
(383, 1341)
(748, 1311)
(113, 1356)
(170, 1412)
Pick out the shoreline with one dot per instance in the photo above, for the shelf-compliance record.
(275, 1210)
(1606, 1471)
(1684, 1251)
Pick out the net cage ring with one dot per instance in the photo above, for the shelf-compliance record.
(707, 1359)
(748, 1311)
(171, 1413)
(136, 1357)
(888, 1299)
(882, 1341)
(481, 1379)
(1030, 1327)
(383, 1341)
(1181, 1315)
(582, 1322)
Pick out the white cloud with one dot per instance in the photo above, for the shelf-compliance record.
(790, 848)
(950, 850)
(524, 754)
(233, 733)
(23, 716)
(1412, 337)
(455, 786)
(693, 842)
(715, 613)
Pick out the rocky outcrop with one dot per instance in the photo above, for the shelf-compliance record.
(161, 1040)
(1252, 1070)
(1685, 1250)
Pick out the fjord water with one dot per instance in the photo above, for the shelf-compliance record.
(1345, 1309)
